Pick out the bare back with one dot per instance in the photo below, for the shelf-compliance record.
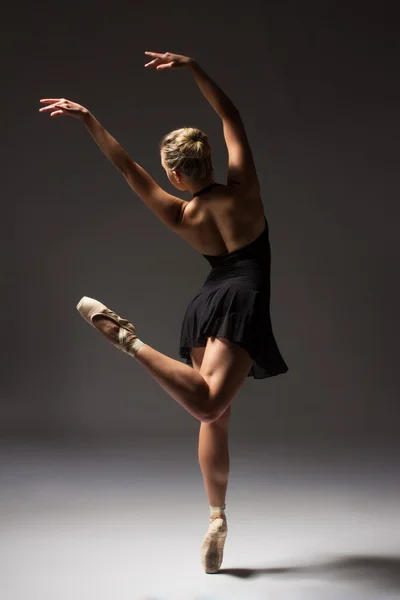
(222, 220)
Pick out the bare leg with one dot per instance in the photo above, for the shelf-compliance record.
(214, 464)
(204, 395)
(213, 452)
(180, 381)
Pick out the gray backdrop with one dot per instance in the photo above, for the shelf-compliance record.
(318, 90)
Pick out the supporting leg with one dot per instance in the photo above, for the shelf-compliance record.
(213, 450)
(213, 453)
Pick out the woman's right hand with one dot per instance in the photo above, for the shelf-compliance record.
(168, 61)
(62, 106)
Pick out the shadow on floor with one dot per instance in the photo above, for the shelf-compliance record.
(379, 571)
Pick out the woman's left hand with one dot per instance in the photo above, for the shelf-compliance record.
(62, 106)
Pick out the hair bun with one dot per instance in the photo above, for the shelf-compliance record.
(195, 147)
(199, 144)
(187, 149)
(197, 137)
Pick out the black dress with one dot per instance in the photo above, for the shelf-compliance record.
(234, 303)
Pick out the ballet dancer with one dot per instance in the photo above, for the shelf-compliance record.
(226, 333)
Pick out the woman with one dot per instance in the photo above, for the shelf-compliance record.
(226, 333)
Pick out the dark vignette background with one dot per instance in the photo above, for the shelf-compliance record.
(317, 86)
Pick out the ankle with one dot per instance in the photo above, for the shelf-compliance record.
(135, 346)
(216, 510)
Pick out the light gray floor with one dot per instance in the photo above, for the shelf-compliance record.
(84, 522)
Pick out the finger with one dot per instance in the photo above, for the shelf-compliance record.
(165, 66)
(152, 62)
(44, 108)
(156, 54)
(57, 113)
(49, 107)
(50, 99)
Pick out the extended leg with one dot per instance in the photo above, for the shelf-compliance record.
(207, 394)
(180, 381)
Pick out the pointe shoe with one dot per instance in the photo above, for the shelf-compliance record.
(127, 339)
(212, 548)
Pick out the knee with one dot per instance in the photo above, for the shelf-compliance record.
(208, 417)
(218, 417)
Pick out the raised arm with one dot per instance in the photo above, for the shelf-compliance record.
(241, 168)
(166, 207)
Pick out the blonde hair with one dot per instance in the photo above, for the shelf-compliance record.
(187, 149)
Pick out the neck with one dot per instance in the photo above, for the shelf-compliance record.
(196, 186)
